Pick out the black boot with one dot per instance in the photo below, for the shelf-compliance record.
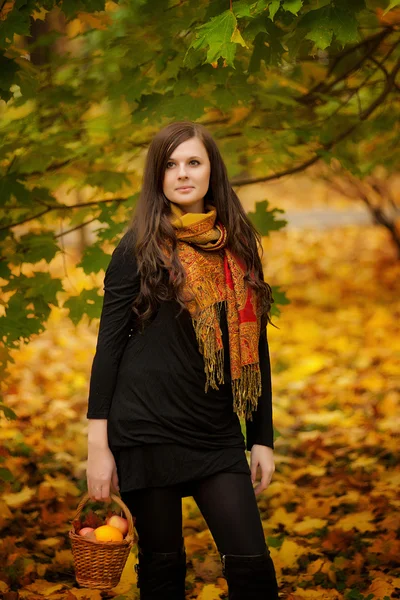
(250, 577)
(161, 575)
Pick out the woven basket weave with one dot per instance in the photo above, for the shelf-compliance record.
(100, 564)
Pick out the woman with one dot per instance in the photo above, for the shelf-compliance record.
(182, 353)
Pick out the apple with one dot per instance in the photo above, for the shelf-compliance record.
(85, 530)
(91, 536)
(120, 523)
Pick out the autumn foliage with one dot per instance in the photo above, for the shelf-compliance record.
(330, 514)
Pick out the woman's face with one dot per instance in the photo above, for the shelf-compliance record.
(187, 176)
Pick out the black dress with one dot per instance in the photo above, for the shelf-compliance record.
(163, 428)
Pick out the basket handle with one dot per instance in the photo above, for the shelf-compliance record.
(116, 499)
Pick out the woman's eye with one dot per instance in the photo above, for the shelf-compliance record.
(192, 161)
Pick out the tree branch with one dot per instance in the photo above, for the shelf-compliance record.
(11, 225)
(363, 116)
(61, 207)
(80, 226)
(323, 87)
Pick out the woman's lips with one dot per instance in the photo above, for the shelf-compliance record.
(185, 189)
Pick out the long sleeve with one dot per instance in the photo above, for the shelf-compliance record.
(260, 429)
(121, 285)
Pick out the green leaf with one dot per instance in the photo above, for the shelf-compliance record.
(110, 181)
(29, 307)
(87, 303)
(8, 412)
(273, 8)
(21, 449)
(216, 35)
(321, 37)
(34, 247)
(237, 38)
(16, 325)
(260, 6)
(8, 70)
(11, 188)
(392, 4)
(4, 269)
(292, 6)
(280, 299)
(264, 220)
(5, 474)
(241, 9)
(71, 7)
(94, 260)
(17, 21)
(112, 233)
(267, 48)
(328, 21)
(254, 27)
(132, 85)
(169, 105)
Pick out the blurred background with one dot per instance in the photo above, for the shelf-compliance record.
(303, 100)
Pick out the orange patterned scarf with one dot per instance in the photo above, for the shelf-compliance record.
(215, 277)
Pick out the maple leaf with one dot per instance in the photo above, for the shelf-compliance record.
(216, 36)
(92, 519)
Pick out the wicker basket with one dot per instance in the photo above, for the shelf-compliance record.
(100, 564)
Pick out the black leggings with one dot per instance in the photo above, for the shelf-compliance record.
(226, 501)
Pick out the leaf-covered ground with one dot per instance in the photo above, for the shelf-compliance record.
(331, 513)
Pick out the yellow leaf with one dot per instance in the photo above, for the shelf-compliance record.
(238, 113)
(74, 28)
(308, 525)
(3, 587)
(199, 541)
(84, 594)
(312, 470)
(359, 520)
(319, 507)
(321, 565)
(364, 461)
(373, 382)
(381, 587)
(317, 594)
(40, 14)
(99, 21)
(333, 417)
(5, 513)
(281, 516)
(57, 487)
(63, 557)
(20, 498)
(19, 112)
(308, 365)
(289, 552)
(352, 497)
(210, 592)
(237, 38)
(44, 588)
(51, 542)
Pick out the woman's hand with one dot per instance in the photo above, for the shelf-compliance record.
(263, 457)
(101, 473)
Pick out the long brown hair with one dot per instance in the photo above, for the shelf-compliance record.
(152, 228)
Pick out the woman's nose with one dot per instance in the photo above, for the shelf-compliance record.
(182, 171)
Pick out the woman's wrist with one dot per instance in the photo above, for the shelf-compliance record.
(97, 433)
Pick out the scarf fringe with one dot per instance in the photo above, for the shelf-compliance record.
(246, 389)
(206, 339)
